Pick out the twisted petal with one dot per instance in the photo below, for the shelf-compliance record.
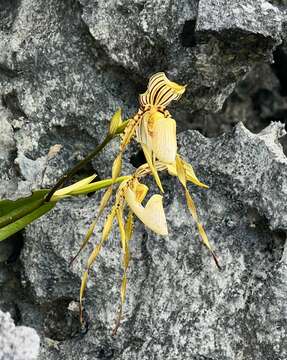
(161, 91)
(150, 161)
(152, 215)
(189, 172)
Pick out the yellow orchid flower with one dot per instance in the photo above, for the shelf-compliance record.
(156, 131)
(152, 125)
(154, 128)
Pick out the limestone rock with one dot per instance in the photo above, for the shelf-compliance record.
(65, 67)
(179, 305)
(210, 45)
(17, 342)
(52, 89)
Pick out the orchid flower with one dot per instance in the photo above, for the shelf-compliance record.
(154, 128)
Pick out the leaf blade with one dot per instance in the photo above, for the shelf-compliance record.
(10, 210)
(19, 224)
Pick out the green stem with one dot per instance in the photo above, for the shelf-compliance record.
(70, 173)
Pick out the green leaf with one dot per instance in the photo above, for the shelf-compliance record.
(15, 215)
(19, 224)
(10, 210)
(9, 205)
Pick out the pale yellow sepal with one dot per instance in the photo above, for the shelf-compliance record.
(152, 215)
(163, 136)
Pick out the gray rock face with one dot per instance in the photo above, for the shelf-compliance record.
(138, 34)
(229, 16)
(179, 305)
(209, 45)
(256, 101)
(65, 67)
(53, 90)
(7, 150)
(222, 25)
(63, 74)
(17, 342)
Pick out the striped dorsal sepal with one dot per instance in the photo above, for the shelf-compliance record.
(161, 91)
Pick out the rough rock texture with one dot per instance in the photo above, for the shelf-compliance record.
(65, 67)
(209, 45)
(256, 101)
(52, 89)
(179, 305)
(17, 342)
